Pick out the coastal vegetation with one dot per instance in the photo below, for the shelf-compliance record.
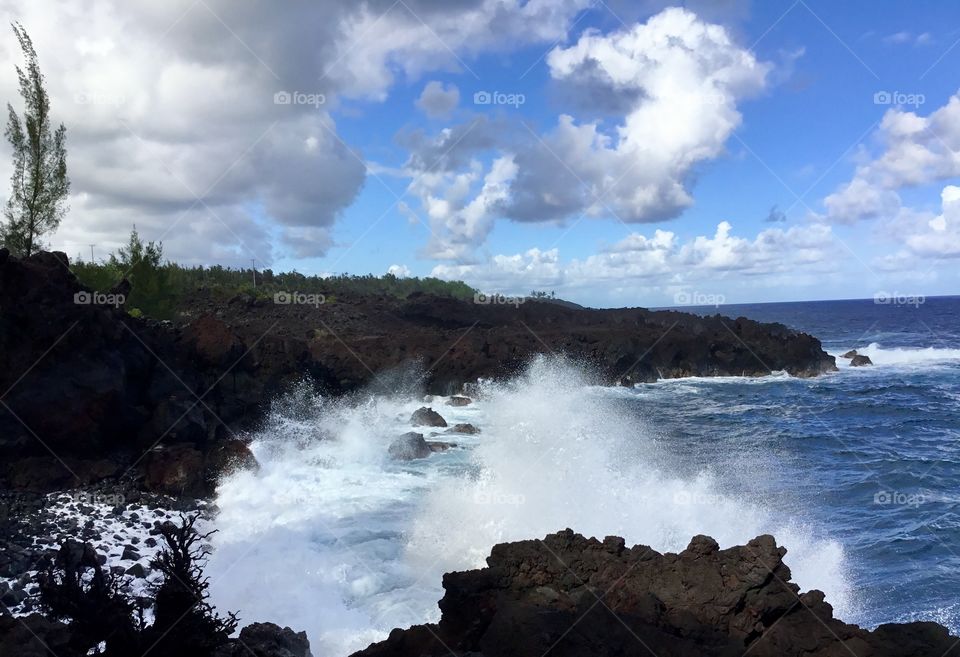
(159, 289)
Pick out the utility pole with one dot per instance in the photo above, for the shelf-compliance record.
(253, 265)
(91, 252)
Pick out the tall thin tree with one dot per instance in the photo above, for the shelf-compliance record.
(39, 184)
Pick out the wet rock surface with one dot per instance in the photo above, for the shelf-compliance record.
(574, 596)
(427, 417)
(409, 446)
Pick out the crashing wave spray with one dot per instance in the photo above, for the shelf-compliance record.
(559, 453)
(333, 537)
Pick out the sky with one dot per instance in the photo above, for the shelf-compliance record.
(617, 153)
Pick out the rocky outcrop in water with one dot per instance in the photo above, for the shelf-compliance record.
(577, 597)
(856, 359)
(427, 417)
(465, 428)
(409, 446)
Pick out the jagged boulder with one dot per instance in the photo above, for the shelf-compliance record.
(572, 596)
(266, 640)
(860, 360)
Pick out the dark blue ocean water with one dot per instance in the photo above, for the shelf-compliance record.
(870, 456)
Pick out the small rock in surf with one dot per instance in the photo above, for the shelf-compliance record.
(463, 428)
(425, 416)
(409, 446)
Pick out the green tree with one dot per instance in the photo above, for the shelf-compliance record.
(39, 181)
(141, 263)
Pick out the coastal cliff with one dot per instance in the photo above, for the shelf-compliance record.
(94, 394)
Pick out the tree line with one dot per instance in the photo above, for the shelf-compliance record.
(161, 289)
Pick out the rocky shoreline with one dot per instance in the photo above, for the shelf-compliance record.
(568, 595)
(94, 395)
(110, 425)
(572, 596)
(122, 525)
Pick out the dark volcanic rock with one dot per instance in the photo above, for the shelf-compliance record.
(850, 354)
(92, 389)
(466, 428)
(34, 636)
(175, 470)
(860, 360)
(266, 640)
(427, 417)
(439, 446)
(459, 400)
(461, 341)
(572, 596)
(409, 446)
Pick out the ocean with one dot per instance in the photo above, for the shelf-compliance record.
(854, 472)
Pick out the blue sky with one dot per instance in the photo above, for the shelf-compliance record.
(819, 162)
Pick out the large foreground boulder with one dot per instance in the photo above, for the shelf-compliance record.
(571, 596)
(266, 640)
(33, 636)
